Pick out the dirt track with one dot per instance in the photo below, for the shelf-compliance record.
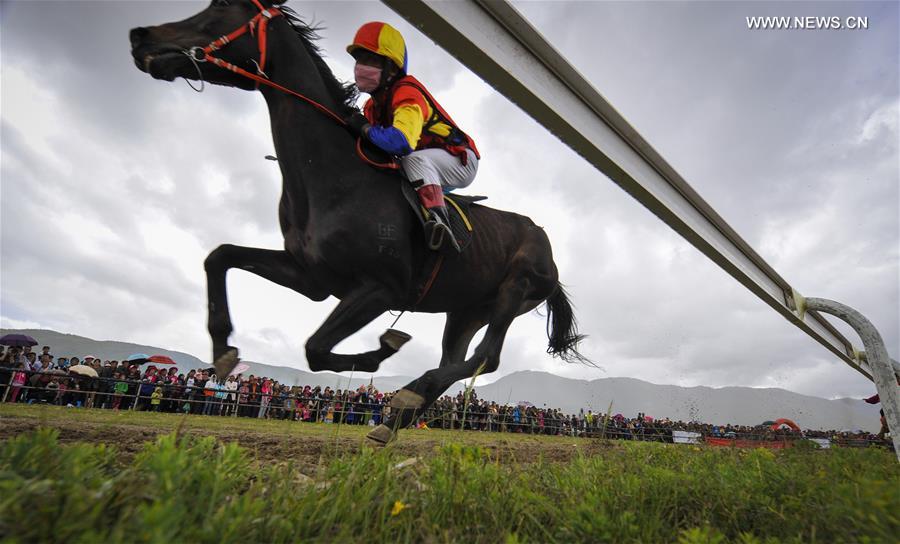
(277, 440)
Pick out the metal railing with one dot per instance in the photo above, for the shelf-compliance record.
(502, 47)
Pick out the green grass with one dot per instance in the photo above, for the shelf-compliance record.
(165, 422)
(190, 488)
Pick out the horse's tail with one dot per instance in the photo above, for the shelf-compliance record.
(562, 329)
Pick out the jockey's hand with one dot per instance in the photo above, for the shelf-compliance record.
(357, 124)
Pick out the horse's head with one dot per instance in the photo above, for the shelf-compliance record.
(228, 28)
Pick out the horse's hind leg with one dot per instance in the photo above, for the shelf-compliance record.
(358, 308)
(458, 332)
(276, 266)
(411, 401)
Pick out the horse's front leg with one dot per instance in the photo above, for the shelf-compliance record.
(363, 304)
(277, 266)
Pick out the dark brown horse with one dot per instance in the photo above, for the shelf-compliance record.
(347, 229)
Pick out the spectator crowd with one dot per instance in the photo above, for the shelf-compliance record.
(30, 377)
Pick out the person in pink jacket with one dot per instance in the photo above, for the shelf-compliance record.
(265, 397)
(18, 382)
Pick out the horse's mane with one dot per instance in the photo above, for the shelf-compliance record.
(346, 94)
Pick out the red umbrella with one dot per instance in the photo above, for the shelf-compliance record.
(161, 360)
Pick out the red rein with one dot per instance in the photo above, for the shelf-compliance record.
(258, 26)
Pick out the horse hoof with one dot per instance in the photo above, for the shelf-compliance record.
(407, 400)
(226, 362)
(394, 339)
(381, 435)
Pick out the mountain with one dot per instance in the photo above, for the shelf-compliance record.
(738, 405)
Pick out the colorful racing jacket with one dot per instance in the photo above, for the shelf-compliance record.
(405, 117)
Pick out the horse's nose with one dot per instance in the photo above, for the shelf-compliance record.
(137, 35)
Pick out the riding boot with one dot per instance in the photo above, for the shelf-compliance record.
(438, 233)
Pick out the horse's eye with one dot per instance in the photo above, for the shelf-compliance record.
(219, 3)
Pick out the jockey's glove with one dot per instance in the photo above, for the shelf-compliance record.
(357, 124)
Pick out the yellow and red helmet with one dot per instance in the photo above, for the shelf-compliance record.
(381, 39)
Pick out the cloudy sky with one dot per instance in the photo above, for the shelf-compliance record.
(115, 186)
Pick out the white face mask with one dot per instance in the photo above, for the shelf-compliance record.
(368, 78)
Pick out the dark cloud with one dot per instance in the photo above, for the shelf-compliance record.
(116, 186)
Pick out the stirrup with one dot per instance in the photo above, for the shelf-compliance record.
(434, 235)
(438, 231)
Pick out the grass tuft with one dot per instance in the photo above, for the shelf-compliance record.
(183, 487)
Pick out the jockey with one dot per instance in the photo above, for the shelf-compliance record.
(402, 118)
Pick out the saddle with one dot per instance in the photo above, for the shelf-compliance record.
(457, 205)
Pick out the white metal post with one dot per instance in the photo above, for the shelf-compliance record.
(881, 365)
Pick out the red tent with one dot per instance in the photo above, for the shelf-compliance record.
(779, 422)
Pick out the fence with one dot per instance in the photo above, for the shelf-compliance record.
(102, 393)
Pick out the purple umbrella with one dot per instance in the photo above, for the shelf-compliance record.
(18, 340)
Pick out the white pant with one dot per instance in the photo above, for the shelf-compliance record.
(435, 166)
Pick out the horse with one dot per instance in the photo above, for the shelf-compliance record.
(348, 230)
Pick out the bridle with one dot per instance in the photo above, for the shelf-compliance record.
(258, 25)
